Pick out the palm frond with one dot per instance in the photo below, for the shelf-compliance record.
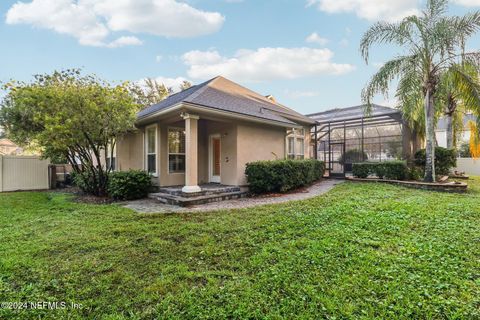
(380, 81)
(384, 33)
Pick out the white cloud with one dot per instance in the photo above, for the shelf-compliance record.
(295, 94)
(93, 21)
(158, 58)
(468, 3)
(371, 10)
(264, 64)
(316, 38)
(125, 41)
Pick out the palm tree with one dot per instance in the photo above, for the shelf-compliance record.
(432, 43)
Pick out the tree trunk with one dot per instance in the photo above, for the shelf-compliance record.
(429, 135)
(449, 121)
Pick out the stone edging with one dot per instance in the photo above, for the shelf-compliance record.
(459, 187)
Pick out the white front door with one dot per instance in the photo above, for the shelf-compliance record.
(214, 158)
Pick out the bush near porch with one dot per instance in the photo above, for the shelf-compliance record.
(282, 175)
(121, 185)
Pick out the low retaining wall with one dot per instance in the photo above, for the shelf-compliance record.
(459, 187)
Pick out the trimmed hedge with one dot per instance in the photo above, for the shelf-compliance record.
(391, 170)
(282, 175)
(445, 159)
(129, 185)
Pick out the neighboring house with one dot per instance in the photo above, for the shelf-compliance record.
(463, 136)
(7, 147)
(209, 132)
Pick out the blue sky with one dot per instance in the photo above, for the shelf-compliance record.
(303, 52)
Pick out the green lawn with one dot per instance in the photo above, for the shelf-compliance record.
(362, 251)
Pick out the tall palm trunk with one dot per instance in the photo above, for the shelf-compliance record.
(429, 135)
(451, 107)
(449, 121)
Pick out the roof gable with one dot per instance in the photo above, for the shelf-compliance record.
(222, 94)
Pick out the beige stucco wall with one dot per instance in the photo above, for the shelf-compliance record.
(258, 142)
(130, 151)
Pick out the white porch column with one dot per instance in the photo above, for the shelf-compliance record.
(191, 153)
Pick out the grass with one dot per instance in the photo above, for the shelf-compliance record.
(361, 251)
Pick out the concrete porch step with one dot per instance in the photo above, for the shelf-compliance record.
(197, 198)
(211, 189)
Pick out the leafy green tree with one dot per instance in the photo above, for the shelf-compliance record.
(149, 91)
(432, 42)
(185, 85)
(70, 116)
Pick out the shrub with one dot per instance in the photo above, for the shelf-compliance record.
(85, 181)
(445, 159)
(392, 170)
(352, 156)
(395, 170)
(415, 173)
(380, 170)
(129, 185)
(361, 170)
(282, 175)
(464, 150)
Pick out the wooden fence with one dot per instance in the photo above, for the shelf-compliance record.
(23, 173)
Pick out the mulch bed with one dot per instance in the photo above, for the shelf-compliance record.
(80, 197)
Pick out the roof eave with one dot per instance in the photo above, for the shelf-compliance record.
(200, 108)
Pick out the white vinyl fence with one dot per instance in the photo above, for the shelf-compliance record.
(469, 165)
(23, 173)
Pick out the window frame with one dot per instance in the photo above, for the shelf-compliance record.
(155, 127)
(295, 134)
(176, 153)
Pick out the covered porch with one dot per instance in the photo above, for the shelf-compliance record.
(189, 151)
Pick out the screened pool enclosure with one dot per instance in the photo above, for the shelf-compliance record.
(345, 136)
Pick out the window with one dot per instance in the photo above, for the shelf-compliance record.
(176, 150)
(111, 157)
(295, 144)
(290, 147)
(300, 148)
(151, 149)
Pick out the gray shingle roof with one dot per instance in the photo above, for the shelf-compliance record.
(222, 94)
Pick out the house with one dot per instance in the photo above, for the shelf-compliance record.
(7, 147)
(208, 133)
(463, 136)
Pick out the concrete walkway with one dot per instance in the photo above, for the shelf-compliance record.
(152, 206)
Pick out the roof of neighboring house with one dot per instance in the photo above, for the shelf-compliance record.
(442, 122)
(225, 95)
(4, 142)
(352, 113)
